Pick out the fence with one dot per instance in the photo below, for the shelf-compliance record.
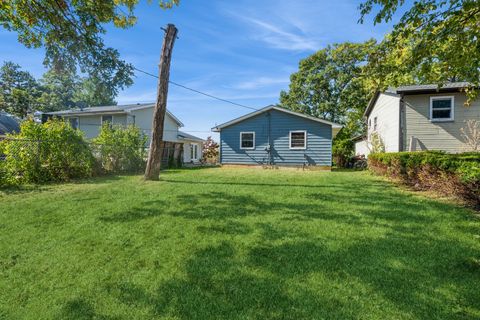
(59, 160)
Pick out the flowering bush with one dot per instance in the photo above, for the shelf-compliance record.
(210, 151)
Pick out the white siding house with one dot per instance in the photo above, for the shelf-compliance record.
(89, 120)
(420, 117)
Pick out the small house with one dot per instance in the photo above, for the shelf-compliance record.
(278, 137)
(90, 120)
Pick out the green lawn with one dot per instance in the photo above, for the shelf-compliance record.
(236, 244)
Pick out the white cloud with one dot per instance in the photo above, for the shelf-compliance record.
(260, 82)
(281, 38)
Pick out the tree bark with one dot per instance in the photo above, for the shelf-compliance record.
(152, 172)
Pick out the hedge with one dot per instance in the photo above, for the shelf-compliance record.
(448, 174)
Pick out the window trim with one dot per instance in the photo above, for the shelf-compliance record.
(452, 108)
(194, 151)
(304, 142)
(243, 132)
(78, 122)
(106, 115)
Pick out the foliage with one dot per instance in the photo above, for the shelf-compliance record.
(236, 244)
(452, 174)
(330, 84)
(65, 90)
(40, 153)
(376, 143)
(71, 33)
(18, 90)
(121, 149)
(210, 151)
(343, 148)
(471, 134)
(436, 41)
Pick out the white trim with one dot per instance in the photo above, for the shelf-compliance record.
(452, 108)
(304, 142)
(252, 132)
(252, 114)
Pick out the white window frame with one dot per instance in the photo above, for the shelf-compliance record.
(107, 115)
(304, 142)
(452, 108)
(194, 151)
(78, 122)
(247, 132)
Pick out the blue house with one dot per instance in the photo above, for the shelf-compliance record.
(277, 136)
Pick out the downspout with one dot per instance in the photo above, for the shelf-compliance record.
(401, 123)
(269, 145)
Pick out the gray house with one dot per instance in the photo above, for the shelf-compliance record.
(89, 120)
(419, 117)
(276, 136)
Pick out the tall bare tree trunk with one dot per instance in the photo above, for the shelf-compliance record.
(154, 161)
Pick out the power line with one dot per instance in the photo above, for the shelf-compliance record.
(197, 91)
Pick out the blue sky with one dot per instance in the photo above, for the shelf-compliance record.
(243, 50)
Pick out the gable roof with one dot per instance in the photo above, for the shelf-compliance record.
(8, 124)
(373, 100)
(272, 107)
(110, 110)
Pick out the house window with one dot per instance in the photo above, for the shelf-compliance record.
(298, 139)
(73, 122)
(441, 108)
(247, 140)
(375, 124)
(108, 119)
(194, 151)
(369, 124)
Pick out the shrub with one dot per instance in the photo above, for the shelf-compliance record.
(343, 148)
(449, 174)
(210, 151)
(120, 149)
(52, 151)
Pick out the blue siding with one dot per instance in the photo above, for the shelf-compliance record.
(319, 141)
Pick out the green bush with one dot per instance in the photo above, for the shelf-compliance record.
(451, 174)
(52, 151)
(120, 149)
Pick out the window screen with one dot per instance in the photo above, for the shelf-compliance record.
(297, 139)
(107, 119)
(247, 140)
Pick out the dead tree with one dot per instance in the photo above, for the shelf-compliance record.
(155, 153)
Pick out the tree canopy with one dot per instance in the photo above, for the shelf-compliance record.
(18, 90)
(21, 93)
(435, 41)
(330, 84)
(71, 33)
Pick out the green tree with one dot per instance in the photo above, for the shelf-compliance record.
(330, 84)
(66, 90)
(435, 41)
(71, 33)
(18, 90)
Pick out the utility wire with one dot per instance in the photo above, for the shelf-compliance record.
(197, 91)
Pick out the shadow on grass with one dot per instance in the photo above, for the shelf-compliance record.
(217, 283)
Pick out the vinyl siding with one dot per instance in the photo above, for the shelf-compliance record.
(144, 119)
(437, 135)
(319, 141)
(386, 109)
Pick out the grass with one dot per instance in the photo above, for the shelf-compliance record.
(236, 244)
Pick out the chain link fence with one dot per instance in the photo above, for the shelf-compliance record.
(61, 160)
